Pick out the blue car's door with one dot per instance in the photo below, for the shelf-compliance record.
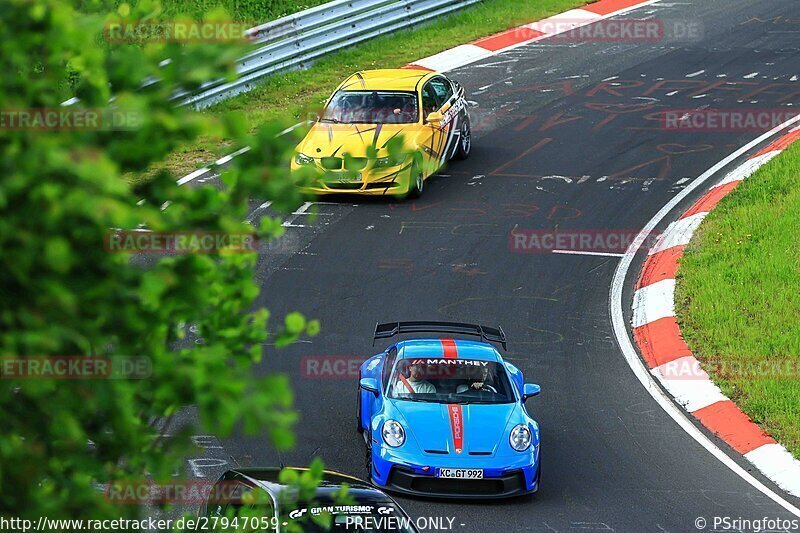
(516, 377)
(378, 367)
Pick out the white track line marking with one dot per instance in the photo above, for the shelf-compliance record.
(251, 217)
(302, 210)
(221, 161)
(225, 159)
(579, 252)
(292, 128)
(632, 357)
(193, 175)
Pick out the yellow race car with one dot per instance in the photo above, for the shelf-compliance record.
(384, 132)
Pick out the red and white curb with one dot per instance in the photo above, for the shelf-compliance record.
(527, 33)
(669, 359)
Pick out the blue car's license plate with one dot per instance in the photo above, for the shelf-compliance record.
(460, 473)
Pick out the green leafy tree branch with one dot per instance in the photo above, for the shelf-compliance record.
(64, 294)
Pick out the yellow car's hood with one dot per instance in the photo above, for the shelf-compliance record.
(328, 139)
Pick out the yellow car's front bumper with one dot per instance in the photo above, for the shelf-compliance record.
(372, 182)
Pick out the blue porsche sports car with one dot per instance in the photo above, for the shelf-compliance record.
(446, 417)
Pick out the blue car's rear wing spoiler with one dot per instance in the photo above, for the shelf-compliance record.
(390, 329)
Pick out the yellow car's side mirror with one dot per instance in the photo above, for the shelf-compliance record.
(435, 118)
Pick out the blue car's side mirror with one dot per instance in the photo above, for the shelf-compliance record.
(369, 384)
(529, 390)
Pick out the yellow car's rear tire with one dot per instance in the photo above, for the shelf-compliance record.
(464, 140)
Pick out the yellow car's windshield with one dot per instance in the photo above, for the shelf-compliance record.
(372, 107)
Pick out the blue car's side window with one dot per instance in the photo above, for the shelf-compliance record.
(388, 365)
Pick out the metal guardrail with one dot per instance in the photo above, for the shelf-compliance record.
(293, 42)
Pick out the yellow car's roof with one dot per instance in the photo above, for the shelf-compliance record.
(397, 79)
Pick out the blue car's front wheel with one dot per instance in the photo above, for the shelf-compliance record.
(368, 457)
(358, 411)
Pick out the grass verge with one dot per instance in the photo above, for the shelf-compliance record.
(291, 96)
(738, 297)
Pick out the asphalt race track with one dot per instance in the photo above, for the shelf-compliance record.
(564, 138)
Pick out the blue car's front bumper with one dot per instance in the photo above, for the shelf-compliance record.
(409, 474)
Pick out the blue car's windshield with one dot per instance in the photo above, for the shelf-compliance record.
(372, 107)
(442, 380)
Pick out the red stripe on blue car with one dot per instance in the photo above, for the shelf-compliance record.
(457, 426)
(449, 348)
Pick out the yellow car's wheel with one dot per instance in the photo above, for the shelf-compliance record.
(416, 182)
(464, 140)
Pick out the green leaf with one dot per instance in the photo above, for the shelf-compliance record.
(295, 323)
(313, 328)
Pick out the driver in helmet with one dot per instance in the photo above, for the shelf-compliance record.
(478, 381)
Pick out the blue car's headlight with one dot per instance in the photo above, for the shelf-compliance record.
(393, 433)
(303, 159)
(520, 438)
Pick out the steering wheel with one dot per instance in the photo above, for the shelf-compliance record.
(485, 388)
